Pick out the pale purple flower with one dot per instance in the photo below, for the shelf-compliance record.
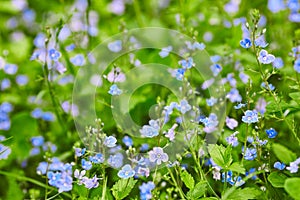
(231, 123)
(158, 156)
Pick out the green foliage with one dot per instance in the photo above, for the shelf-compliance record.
(187, 179)
(283, 154)
(277, 179)
(123, 187)
(291, 186)
(246, 193)
(198, 191)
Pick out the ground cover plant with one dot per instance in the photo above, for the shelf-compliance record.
(159, 99)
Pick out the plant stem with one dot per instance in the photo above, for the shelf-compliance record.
(176, 184)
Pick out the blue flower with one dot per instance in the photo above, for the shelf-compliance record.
(210, 122)
(250, 153)
(127, 141)
(22, 80)
(211, 101)
(239, 105)
(54, 54)
(265, 58)
(115, 46)
(37, 113)
(216, 69)
(246, 43)
(271, 87)
(37, 141)
(145, 190)
(251, 171)
(114, 90)
(98, 158)
(276, 5)
(250, 117)
(4, 121)
(180, 74)
(126, 172)
(150, 130)
(215, 58)
(231, 123)
(271, 133)
(5, 84)
(10, 69)
(187, 64)
(297, 65)
(232, 139)
(79, 152)
(184, 106)
(165, 51)
(110, 141)
(48, 116)
(278, 63)
(279, 165)
(116, 160)
(234, 95)
(157, 155)
(78, 60)
(6, 107)
(87, 165)
(42, 168)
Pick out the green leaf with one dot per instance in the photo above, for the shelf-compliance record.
(220, 155)
(198, 191)
(123, 187)
(295, 95)
(277, 179)
(80, 190)
(283, 154)
(291, 186)
(14, 191)
(236, 167)
(209, 198)
(187, 179)
(246, 193)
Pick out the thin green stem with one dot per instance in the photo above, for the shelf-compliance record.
(176, 184)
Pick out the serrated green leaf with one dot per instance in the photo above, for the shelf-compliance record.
(80, 190)
(277, 179)
(291, 186)
(187, 179)
(236, 167)
(283, 154)
(295, 95)
(198, 191)
(220, 155)
(123, 187)
(246, 193)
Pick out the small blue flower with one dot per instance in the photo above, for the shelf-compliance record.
(114, 90)
(5, 84)
(98, 158)
(127, 141)
(271, 133)
(22, 80)
(54, 54)
(115, 46)
(150, 130)
(278, 63)
(87, 165)
(165, 51)
(157, 155)
(179, 74)
(250, 117)
(37, 141)
(234, 95)
(145, 190)
(276, 5)
(126, 172)
(37, 113)
(42, 168)
(251, 171)
(79, 152)
(211, 101)
(48, 116)
(187, 64)
(116, 160)
(216, 69)
(110, 141)
(239, 105)
(246, 43)
(297, 65)
(10, 69)
(4, 152)
(6, 107)
(265, 57)
(279, 165)
(184, 106)
(233, 140)
(271, 87)
(250, 153)
(215, 58)
(78, 60)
